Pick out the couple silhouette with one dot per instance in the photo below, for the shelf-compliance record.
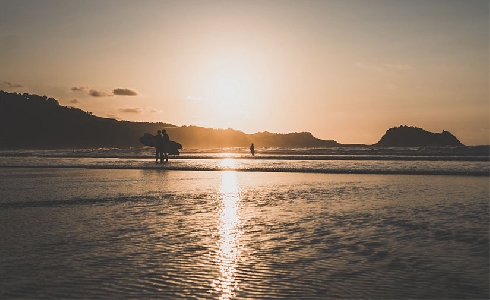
(162, 145)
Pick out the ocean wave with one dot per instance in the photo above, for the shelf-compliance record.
(474, 153)
(327, 164)
(478, 173)
(194, 156)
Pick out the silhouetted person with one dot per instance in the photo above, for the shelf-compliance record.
(159, 146)
(252, 149)
(166, 144)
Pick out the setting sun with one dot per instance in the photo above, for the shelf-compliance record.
(228, 93)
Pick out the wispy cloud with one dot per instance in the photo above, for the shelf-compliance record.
(75, 101)
(154, 110)
(134, 110)
(384, 68)
(194, 98)
(360, 65)
(401, 67)
(391, 86)
(79, 88)
(95, 93)
(13, 85)
(124, 92)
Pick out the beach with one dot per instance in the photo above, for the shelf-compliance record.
(77, 232)
(244, 149)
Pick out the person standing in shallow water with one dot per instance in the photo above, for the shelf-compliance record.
(166, 142)
(252, 149)
(159, 146)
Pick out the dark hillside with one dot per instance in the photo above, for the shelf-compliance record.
(201, 137)
(296, 139)
(32, 121)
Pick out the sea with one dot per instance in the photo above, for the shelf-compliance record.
(287, 223)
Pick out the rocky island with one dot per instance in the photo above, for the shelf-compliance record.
(409, 136)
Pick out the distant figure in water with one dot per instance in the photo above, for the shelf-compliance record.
(252, 149)
(166, 142)
(159, 146)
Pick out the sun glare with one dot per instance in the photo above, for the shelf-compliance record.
(228, 163)
(229, 235)
(230, 94)
(229, 86)
(227, 89)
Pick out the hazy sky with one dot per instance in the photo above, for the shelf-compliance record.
(343, 70)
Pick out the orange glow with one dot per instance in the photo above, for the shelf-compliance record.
(277, 66)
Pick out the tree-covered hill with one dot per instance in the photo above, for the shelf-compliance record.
(32, 121)
(295, 139)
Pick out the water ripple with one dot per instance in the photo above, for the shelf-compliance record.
(245, 235)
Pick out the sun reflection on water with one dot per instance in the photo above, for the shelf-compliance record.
(229, 233)
(228, 163)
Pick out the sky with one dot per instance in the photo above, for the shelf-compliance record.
(342, 70)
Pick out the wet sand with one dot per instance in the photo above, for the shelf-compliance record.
(85, 233)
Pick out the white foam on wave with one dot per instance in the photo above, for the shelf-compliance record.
(327, 166)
